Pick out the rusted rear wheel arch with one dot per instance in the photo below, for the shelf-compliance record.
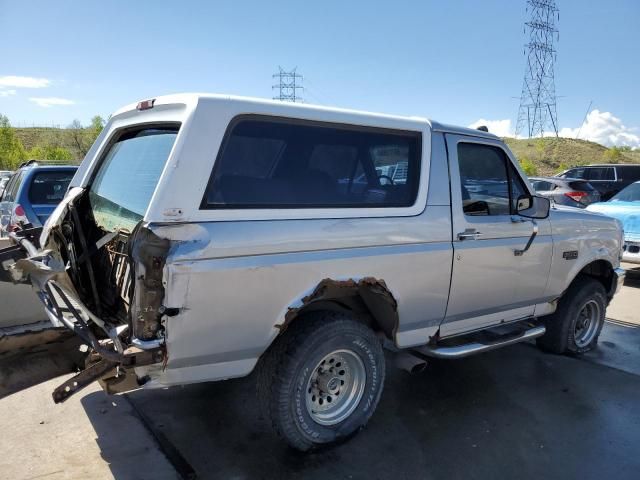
(368, 300)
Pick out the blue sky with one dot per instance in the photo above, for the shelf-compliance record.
(454, 61)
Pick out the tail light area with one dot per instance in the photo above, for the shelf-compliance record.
(18, 218)
(576, 196)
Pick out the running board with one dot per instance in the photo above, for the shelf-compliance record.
(464, 350)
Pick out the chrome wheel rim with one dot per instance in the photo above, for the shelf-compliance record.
(587, 323)
(335, 387)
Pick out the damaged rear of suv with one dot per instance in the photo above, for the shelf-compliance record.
(99, 271)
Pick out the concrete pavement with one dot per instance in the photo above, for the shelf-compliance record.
(625, 306)
(89, 436)
(512, 413)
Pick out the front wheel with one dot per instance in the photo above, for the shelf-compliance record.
(578, 320)
(322, 379)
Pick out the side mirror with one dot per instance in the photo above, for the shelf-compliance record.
(533, 206)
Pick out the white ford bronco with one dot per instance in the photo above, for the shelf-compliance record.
(205, 236)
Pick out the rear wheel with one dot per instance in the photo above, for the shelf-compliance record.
(322, 379)
(578, 320)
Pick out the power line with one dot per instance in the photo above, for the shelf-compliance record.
(584, 119)
(538, 112)
(287, 85)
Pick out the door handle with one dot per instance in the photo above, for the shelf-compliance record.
(519, 253)
(469, 234)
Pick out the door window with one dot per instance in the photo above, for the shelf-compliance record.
(629, 173)
(489, 183)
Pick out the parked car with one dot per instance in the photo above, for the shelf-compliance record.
(3, 184)
(625, 206)
(205, 236)
(5, 175)
(31, 194)
(608, 179)
(566, 191)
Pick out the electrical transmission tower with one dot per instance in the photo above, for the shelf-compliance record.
(287, 85)
(537, 113)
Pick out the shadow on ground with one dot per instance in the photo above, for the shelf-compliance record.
(125, 444)
(514, 413)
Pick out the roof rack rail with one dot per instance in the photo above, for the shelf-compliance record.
(48, 163)
(27, 163)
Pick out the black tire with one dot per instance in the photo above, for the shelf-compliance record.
(560, 336)
(288, 366)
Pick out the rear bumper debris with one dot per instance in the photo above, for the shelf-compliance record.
(111, 360)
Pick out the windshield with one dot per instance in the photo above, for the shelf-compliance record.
(122, 189)
(629, 194)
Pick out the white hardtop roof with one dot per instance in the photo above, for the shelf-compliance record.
(192, 99)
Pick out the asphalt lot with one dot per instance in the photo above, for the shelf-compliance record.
(511, 413)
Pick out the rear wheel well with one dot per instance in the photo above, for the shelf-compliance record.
(367, 301)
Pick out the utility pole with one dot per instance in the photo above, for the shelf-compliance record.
(537, 113)
(287, 85)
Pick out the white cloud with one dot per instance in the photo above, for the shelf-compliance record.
(50, 101)
(502, 128)
(6, 93)
(604, 128)
(23, 82)
(600, 127)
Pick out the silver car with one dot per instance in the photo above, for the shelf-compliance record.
(571, 192)
(206, 236)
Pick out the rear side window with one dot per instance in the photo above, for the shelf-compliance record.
(599, 173)
(582, 186)
(268, 162)
(542, 186)
(574, 173)
(11, 191)
(127, 177)
(48, 188)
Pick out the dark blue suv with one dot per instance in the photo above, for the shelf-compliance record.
(32, 194)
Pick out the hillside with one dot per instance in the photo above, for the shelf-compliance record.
(48, 136)
(549, 155)
(36, 136)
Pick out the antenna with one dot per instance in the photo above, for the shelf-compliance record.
(287, 85)
(537, 113)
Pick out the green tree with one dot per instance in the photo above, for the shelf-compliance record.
(540, 146)
(12, 151)
(81, 138)
(97, 124)
(50, 152)
(613, 154)
(529, 167)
